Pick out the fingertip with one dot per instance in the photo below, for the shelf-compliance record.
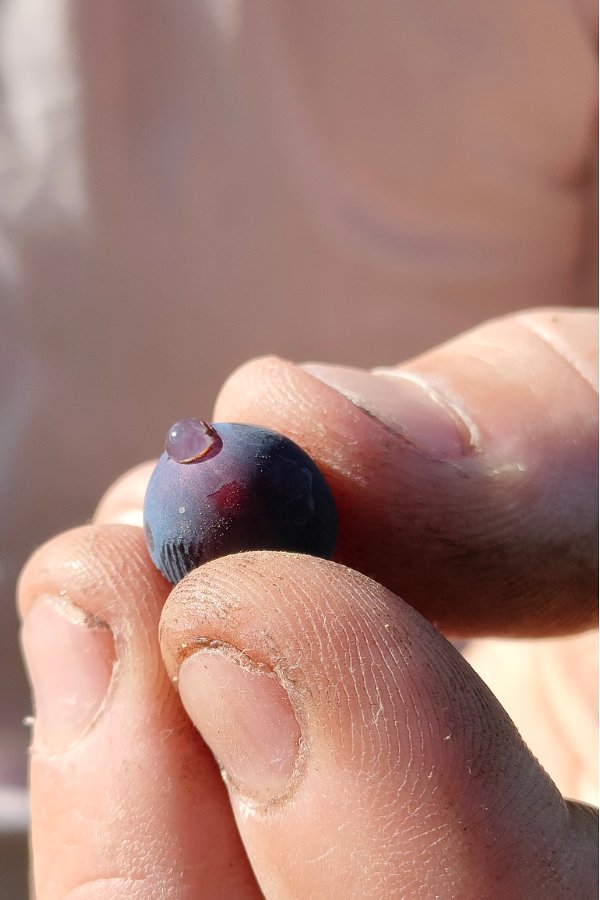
(274, 393)
(84, 560)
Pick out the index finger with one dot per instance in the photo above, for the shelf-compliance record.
(466, 479)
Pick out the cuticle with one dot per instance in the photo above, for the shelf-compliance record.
(72, 611)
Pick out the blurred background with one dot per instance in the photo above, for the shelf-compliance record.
(186, 185)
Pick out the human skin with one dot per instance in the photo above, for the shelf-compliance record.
(348, 181)
(361, 754)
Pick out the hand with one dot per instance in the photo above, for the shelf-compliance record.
(361, 754)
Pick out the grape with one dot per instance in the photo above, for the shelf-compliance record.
(226, 488)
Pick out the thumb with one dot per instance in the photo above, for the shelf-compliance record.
(363, 756)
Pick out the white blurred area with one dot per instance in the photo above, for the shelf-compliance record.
(185, 185)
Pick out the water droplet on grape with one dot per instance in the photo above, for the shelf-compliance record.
(191, 440)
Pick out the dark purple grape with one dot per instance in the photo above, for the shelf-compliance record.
(226, 488)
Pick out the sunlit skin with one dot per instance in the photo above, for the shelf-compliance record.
(399, 773)
(351, 183)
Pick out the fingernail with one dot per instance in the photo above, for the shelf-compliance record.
(405, 404)
(70, 657)
(245, 716)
